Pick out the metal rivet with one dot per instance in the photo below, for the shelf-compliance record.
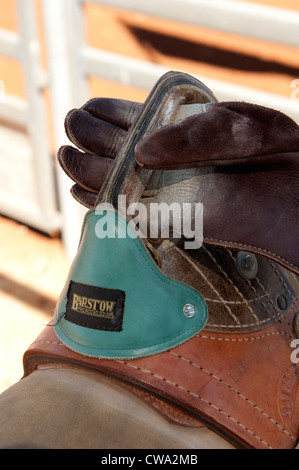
(282, 302)
(246, 264)
(189, 97)
(189, 310)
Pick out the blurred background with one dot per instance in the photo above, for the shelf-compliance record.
(56, 54)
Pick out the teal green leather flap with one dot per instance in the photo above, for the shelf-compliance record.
(117, 303)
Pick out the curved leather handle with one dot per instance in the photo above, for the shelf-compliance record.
(171, 91)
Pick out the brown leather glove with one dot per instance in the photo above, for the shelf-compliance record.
(247, 160)
(249, 185)
(99, 129)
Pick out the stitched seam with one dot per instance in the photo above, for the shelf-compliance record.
(79, 180)
(200, 398)
(48, 342)
(254, 247)
(230, 281)
(292, 310)
(244, 339)
(256, 323)
(276, 310)
(71, 132)
(199, 336)
(236, 302)
(221, 299)
(196, 395)
(277, 314)
(282, 281)
(89, 101)
(268, 299)
(65, 168)
(251, 286)
(216, 292)
(234, 159)
(225, 302)
(235, 391)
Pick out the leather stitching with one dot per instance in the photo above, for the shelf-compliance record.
(246, 339)
(225, 303)
(260, 250)
(69, 128)
(236, 302)
(268, 296)
(277, 314)
(235, 391)
(230, 281)
(282, 282)
(195, 266)
(200, 398)
(253, 288)
(216, 378)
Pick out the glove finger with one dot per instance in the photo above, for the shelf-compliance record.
(93, 135)
(86, 198)
(121, 113)
(226, 134)
(88, 170)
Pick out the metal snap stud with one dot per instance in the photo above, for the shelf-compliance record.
(282, 302)
(246, 264)
(189, 310)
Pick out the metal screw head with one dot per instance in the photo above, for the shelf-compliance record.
(189, 310)
(246, 264)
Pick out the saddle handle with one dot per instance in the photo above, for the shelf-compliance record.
(164, 104)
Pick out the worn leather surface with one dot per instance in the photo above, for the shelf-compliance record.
(228, 133)
(235, 303)
(248, 185)
(243, 386)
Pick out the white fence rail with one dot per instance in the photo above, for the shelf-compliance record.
(240, 17)
(34, 201)
(253, 20)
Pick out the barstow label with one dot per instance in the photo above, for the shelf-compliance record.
(95, 307)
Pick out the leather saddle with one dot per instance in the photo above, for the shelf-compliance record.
(204, 335)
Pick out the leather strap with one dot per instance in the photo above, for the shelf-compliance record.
(242, 386)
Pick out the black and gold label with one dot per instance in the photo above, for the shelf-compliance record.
(95, 307)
